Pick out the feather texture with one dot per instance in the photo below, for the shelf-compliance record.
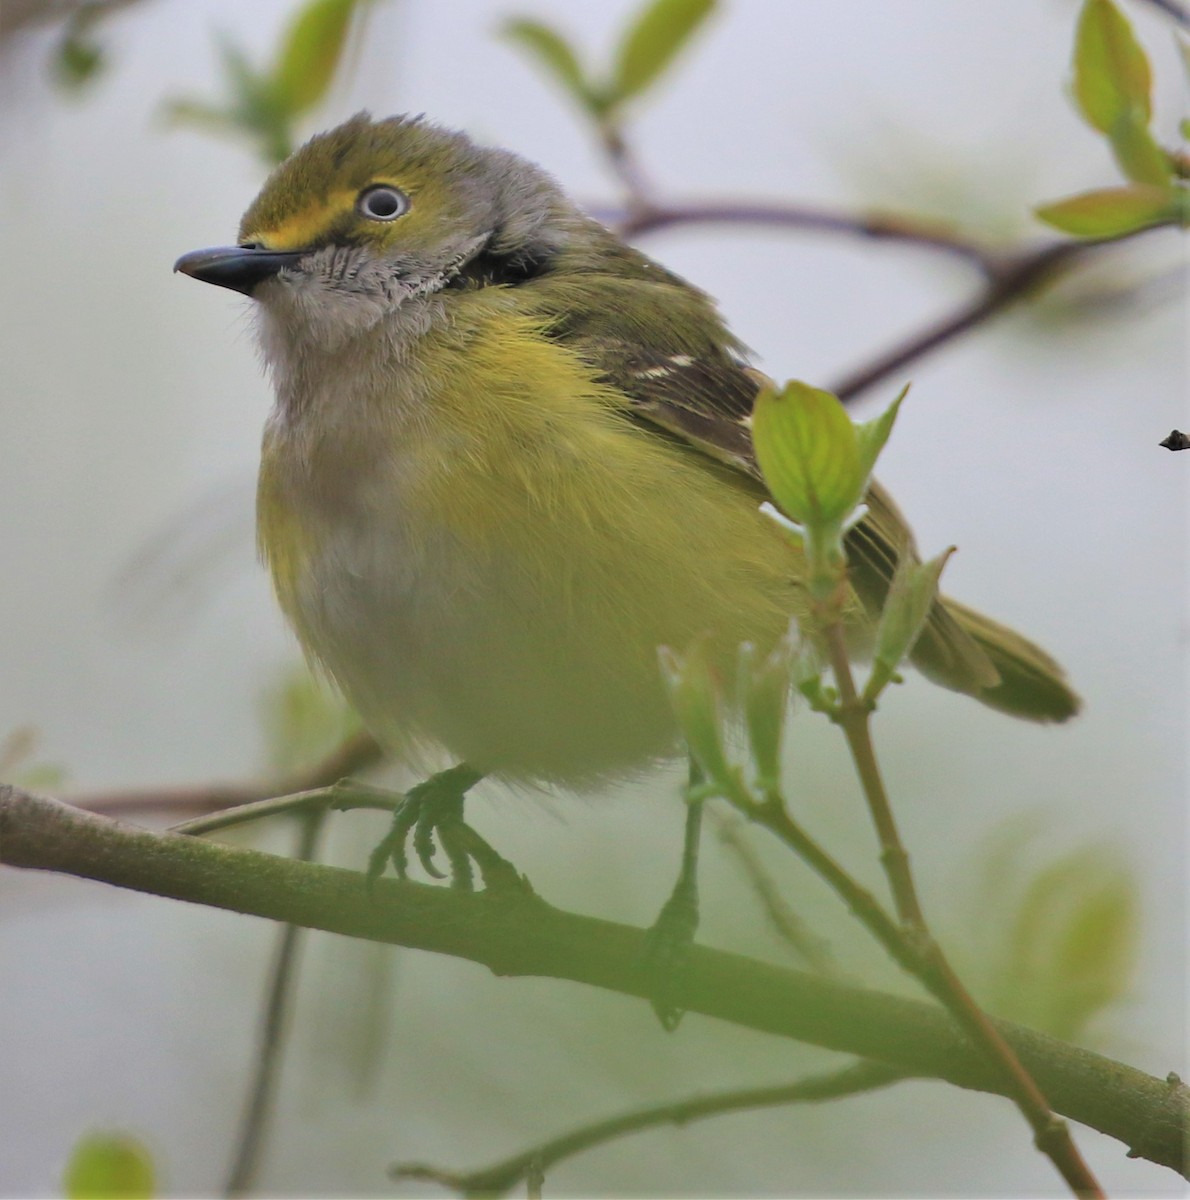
(511, 456)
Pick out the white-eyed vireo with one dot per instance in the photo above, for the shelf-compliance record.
(510, 457)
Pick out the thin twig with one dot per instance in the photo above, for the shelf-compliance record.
(354, 754)
(919, 956)
(1015, 282)
(852, 717)
(1172, 9)
(342, 797)
(929, 964)
(626, 167)
(278, 1004)
(773, 813)
(499, 1178)
(312, 792)
(813, 950)
(652, 217)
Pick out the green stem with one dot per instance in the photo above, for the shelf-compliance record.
(852, 717)
(515, 934)
(921, 955)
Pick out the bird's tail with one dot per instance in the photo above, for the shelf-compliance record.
(1030, 684)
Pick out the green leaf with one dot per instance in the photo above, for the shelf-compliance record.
(1072, 946)
(19, 766)
(252, 109)
(247, 85)
(808, 453)
(651, 43)
(697, 703)
(872, 435)
(806, 671)
(1095, 953)
(183, 110)
(78, 61)
(1138, 154)
(79, 57)
(911, 595)
(310, 53)
(42, 777)
(555, 54)
(1113, 212)
(304, 721)
(109, 1166)
(1111, 70)
(764, 698)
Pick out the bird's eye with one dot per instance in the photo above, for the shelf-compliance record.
(382, 203)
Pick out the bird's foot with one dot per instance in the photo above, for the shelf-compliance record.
(432, 812)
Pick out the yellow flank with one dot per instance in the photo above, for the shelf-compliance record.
(556, 476)
(519, 549)
(282, 539)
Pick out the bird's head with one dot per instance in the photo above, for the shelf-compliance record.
(371, 214)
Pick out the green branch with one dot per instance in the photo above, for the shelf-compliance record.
(515, 933)
(499, 1178)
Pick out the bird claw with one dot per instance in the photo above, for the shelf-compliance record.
(429, 814)
(433, 813)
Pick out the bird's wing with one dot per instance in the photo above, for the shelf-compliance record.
(706, 402)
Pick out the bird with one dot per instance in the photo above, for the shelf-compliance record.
(510, 457)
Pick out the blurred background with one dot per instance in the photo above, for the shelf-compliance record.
(139, 644)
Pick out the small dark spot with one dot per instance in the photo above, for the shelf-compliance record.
(506, 270)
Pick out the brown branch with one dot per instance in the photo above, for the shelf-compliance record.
(16, 15)
(1172, 9)
(355, 754)
(626, 167)
(278, 1002)
(651, 217)
(515, 933)
(344, 796)
(1008, 276)
(499, 1178)
(1017, 279)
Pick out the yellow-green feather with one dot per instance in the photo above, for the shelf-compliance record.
(589, 540)
(485, 506)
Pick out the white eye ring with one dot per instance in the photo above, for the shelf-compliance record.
(381, 202)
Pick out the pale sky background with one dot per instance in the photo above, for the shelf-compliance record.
(130, 398)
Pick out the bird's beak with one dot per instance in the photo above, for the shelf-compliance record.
(240, 268)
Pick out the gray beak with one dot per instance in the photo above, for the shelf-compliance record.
(240, 268)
